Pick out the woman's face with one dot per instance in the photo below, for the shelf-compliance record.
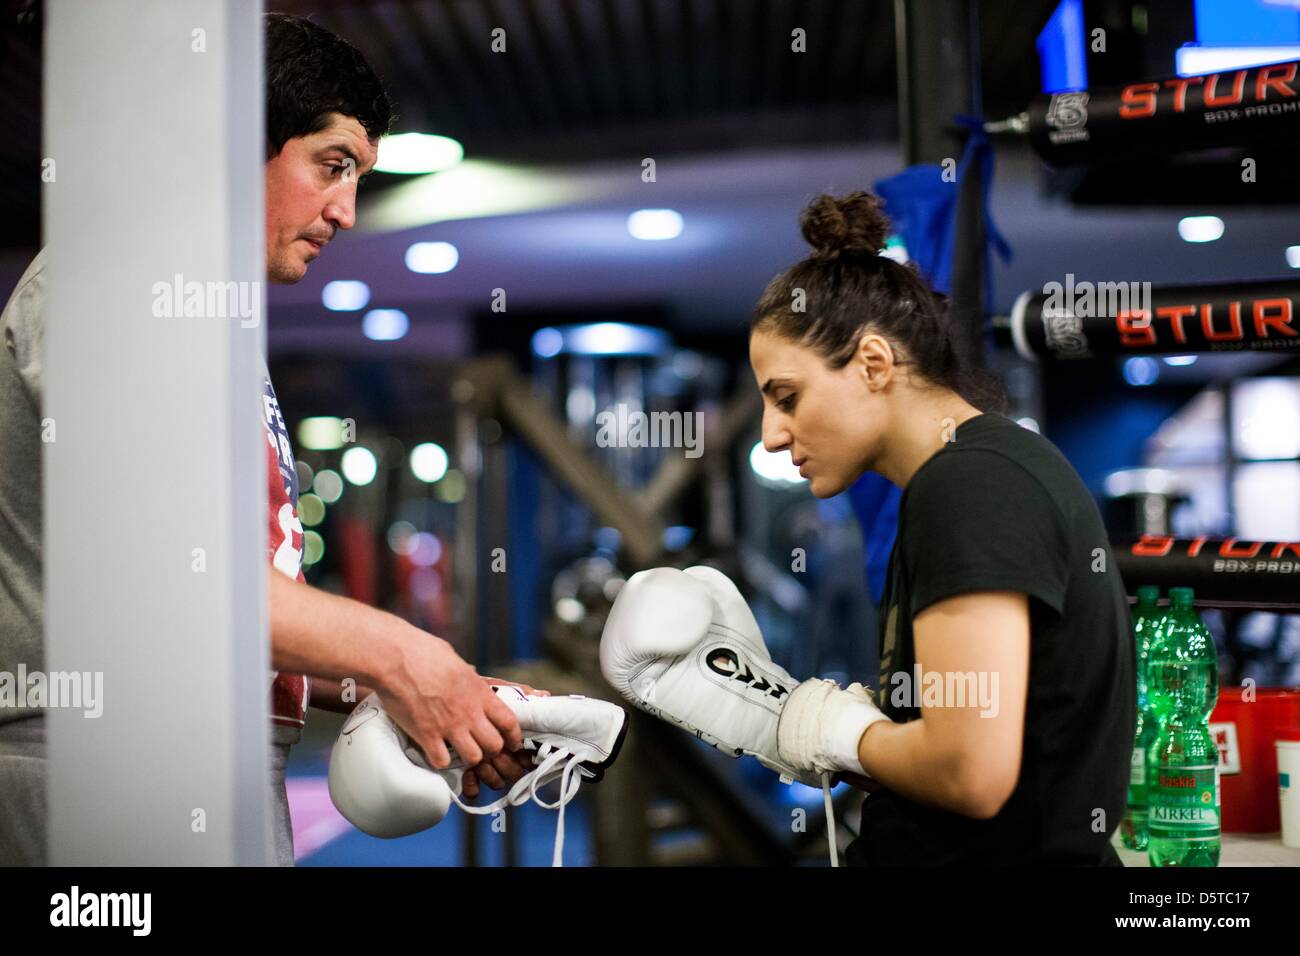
(830, 420)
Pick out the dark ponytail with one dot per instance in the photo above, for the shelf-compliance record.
(846, 288)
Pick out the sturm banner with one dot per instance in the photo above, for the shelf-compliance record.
(1171, 113)
(1225, 572)
(1085, 320)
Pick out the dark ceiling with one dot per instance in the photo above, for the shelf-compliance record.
(590, 79)
(586, 78)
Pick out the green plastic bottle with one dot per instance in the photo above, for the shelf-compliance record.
(1147, 618)
(1183, 762)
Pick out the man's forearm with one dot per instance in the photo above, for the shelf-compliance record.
(334, 638)
(908, 760)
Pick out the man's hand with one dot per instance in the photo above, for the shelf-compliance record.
(506, 767)
(438, 699)
(498, 773)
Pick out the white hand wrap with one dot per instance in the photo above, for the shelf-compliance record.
(821, 727)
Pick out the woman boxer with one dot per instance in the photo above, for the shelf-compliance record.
(1006, 659)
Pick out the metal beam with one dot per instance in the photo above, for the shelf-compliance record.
(677, 472)
(495, 389)
(938, 79)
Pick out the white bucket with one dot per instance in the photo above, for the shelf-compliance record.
(1288, 776)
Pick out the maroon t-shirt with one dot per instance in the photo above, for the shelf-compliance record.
(289, 692)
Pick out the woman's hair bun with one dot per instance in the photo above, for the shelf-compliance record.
(849, 224)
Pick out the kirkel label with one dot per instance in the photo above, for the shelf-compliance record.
(1182, 799)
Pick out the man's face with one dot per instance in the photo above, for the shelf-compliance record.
(311, 193)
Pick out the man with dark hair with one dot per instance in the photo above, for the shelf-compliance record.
(326, 111)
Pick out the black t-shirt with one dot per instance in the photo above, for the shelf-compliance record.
(1000, 509)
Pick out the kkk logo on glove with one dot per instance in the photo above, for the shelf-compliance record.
(726, 662)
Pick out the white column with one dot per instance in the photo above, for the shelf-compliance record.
(155, 481)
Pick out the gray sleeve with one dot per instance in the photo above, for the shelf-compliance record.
(23, 322)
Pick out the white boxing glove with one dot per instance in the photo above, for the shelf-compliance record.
(380, 781)
(684, 646)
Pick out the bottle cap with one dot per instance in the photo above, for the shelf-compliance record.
(1181, 597)
(1148, 594)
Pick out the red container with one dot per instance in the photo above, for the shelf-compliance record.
(1245, 725)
